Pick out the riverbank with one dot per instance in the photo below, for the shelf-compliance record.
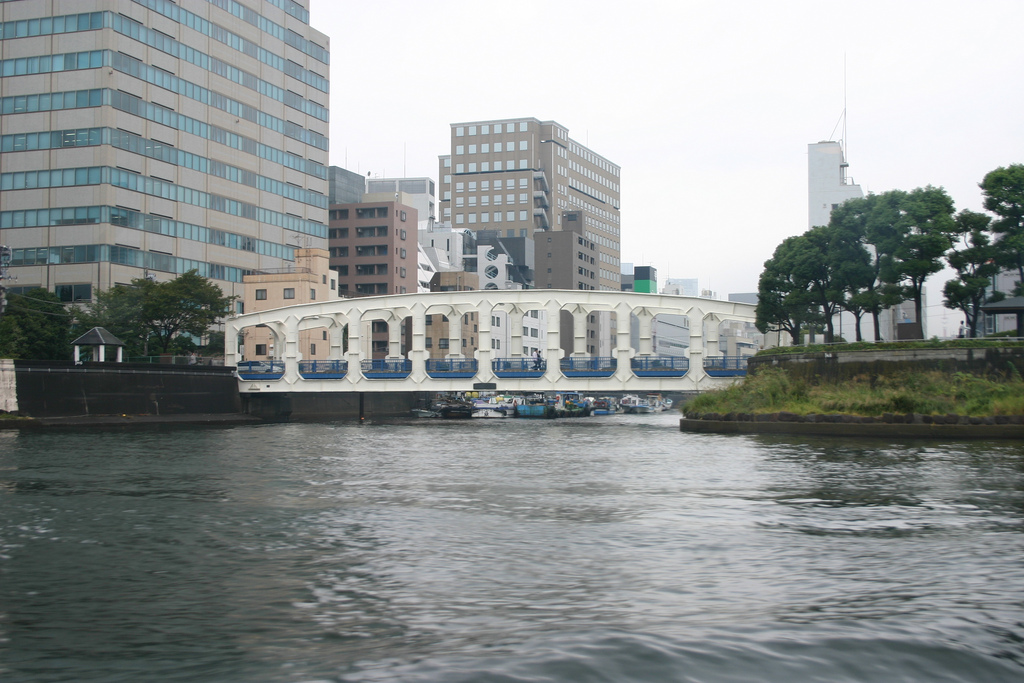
(887, 399)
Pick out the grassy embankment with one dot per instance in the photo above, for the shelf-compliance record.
(927, 392)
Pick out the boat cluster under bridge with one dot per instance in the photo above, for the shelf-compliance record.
(626, 369)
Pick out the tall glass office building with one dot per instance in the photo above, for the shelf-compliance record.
(150, 137)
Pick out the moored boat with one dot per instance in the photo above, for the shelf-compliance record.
(635, 405)
(606, 405)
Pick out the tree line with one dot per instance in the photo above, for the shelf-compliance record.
(150, 317)
(877, 251)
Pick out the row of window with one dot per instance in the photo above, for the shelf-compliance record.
(66, 293)
(73, 23)
(105, 175)
(488, 128)
(106, 253)
(151, 112)
(84, 137)
(485, 217)
(286, 293)
(590, 175)
(98, 58)
(236, 42)
(485, 148)
(487, 166)
(170, 82)
(594, 159)
(291, 8)
(94, 215)
(164, 43)
(81, 99)
(524, 198)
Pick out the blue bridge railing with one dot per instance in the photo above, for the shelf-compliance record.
(323, 369)
(659, 366)
(453, 368)
(725, 366)
(595, 366)
(519, 367)
(260, 369)
(386, 368)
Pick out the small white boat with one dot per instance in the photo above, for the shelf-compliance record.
(488, 413)
(635, 405)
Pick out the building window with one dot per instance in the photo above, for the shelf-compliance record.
(429, 342)
(312, 294)
(312, 349)
(460, 131)
(442, 343)
(261, 295)
(261, 349)
(289, 293)
(426, 320)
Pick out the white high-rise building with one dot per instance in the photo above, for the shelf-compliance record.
(828, 185)
(152, 137)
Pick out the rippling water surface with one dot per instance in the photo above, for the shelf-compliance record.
(600, 549)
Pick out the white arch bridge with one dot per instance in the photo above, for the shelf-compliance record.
(628, 369)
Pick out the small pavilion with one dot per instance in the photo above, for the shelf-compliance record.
(98, 339)
(1012, 305)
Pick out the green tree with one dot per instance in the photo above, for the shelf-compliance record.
(862, 225)
(818, 263)
(1003, 191)
(35, 326)
(973, 257)
(784, 302)
(151, 316)
(929, 231)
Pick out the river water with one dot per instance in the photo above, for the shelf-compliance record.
(598, 549)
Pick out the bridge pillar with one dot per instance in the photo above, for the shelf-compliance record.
(292, 352)
(579, 330)
(394, 335)
(336, 334)
(358, 330)
(645, 341)
(484, 352)
(695, 352)
(711, 334)
(553, 352)
(623, 345)
(455, 332)
(418, 347)
(515, 321)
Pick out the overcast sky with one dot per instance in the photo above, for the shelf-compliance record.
(708, 107)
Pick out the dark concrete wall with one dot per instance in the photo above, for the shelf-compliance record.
(52, 389)
(838, 366)
(331, 405)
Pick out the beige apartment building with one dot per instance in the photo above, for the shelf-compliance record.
(521, 176)
(310, 279)
(374, 245)
(149, 138)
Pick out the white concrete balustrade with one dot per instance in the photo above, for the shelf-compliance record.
(358, 314)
